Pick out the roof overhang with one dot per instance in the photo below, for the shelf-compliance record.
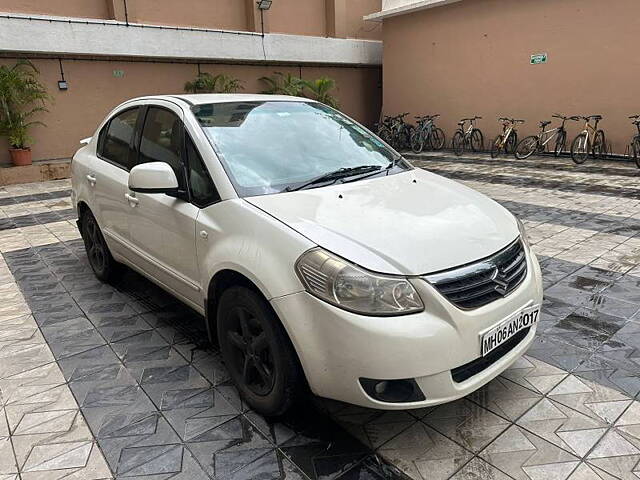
(392, 8)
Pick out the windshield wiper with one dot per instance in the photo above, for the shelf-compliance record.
(343, 172)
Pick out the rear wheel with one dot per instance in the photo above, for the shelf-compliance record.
(457, 143)
(527, 147)
(257, 352)
(417, 141)
(599, 149)
(102, 263)
(437, 139)
(635, 150)
(477, 140)
(580, 148)
(496, 146)
(511, 143)
(561, 142)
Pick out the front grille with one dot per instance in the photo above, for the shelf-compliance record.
(483, 282)
(468, 370)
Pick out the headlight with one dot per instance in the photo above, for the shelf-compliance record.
(350, 287)
(523, 233)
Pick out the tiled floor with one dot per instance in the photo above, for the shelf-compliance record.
(115, 380)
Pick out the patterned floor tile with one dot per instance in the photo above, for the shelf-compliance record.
(523, 455)
(535, 374)
(424, 454)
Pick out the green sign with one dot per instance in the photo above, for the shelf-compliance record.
(118, 73)
(538, 58)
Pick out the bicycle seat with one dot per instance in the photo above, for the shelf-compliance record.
(544, 123)
(595, 117)
(434, 116)
(461, 123)
(515, 120)
(476, 118)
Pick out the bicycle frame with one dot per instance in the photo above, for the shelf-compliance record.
(545, 134)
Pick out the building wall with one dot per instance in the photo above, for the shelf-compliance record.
(63, 8)
(297, 17)
(356, 26)
(472, 57)
(94, 91)
(218, 14)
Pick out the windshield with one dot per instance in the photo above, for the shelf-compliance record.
(267, 147)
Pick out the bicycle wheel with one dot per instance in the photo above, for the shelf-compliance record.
(635, 146)
(511, 143)
(477, 140)
(496, 146)
(385, 134)
(561, 142)
(580, 148)
(457, 143)
(436, 139)
(599, 149)
(417, 141)
(404, 138)
(527, 147)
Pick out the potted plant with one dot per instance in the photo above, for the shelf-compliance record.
(207, 83)
(321, 89)
(21, 97)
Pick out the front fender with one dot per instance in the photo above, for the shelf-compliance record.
(245, 239)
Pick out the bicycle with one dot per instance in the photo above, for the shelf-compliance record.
(591, 139)
(427, 135)
(538, 143)
(396, 132)
(508, 139)
(635, 142)
(471, 138)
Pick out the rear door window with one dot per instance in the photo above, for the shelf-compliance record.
(115, 144)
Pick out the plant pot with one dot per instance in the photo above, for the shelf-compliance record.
(20, 156)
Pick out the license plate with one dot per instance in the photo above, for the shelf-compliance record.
(505, 330)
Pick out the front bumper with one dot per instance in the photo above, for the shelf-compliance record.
(337, 348)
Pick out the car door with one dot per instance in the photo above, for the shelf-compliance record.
(162, 227)
(108, 177)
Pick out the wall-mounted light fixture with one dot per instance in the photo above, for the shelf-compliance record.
(62, 83)
(264, 4)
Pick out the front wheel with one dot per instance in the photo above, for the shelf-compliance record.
(580, 148)
(561, 142)
(496, 146)
(477, 140)
(417, 141)
(599, 149)
(510, 144)
(527, 147)
(437, 139)
(257, 352)
(635, 146)
(385, 134)
(457, 143)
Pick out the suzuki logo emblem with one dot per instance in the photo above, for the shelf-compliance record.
(498, 279)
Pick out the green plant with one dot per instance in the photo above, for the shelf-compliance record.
(207, 83)
(21, 97)
(320, 90)
(283, 84)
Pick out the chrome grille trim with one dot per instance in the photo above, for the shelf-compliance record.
(480, 283)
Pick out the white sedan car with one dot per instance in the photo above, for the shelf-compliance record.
(316, 253)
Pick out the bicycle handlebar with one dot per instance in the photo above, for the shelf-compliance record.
(512, 120)
(634, 116)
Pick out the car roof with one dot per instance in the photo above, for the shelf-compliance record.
(205, 98)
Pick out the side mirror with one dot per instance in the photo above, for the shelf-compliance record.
(153, 177)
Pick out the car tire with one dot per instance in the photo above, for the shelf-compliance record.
(257, 352)
(102, 262)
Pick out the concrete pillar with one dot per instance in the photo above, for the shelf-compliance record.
(254, 17)
(336, 11)
(116, 9)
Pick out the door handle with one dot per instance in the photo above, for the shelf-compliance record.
(133, 201)
(91, 179)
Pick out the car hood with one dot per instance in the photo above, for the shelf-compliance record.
(410, 223)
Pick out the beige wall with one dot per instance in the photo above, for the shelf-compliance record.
(67, 8)
(94, 91)
(299, 17)
(472, 57)
(356, 26)
(222, 14)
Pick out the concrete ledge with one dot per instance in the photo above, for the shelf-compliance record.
(392, 8)
(38, 172)
(109, 38)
